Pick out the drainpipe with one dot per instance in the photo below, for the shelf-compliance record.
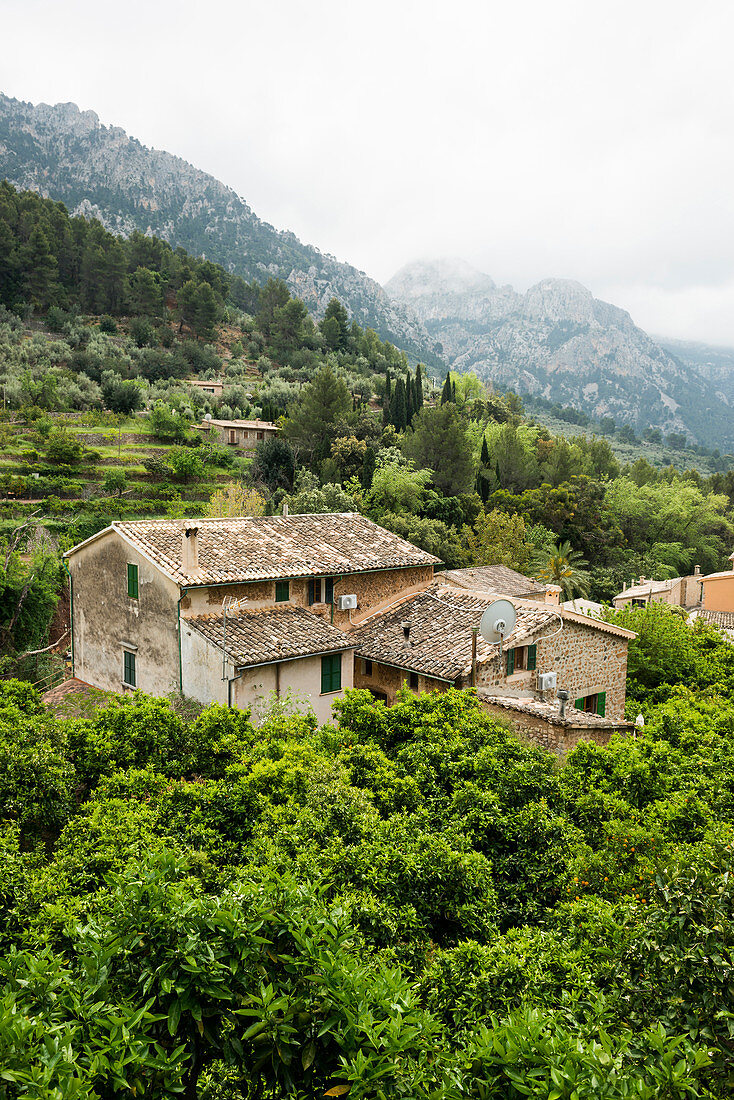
(184, 592)
(474, 632)
(229, 685)
(71, 614)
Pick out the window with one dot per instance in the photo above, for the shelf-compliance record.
(366, 668)
(128, 668)
(522, 659)
(232, 435)
(321, 590)
(132, 581)
(261, 435)
(331, 673)
(282, 591)
(413, 681)
(593, 704)
(639, 603)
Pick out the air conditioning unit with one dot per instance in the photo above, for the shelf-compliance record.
(346, 603)
(547, 681)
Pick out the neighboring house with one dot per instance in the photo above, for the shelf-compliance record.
(678, 592)
(148, 603)
(212, 386)
(718, 590)
(497, 578)
(425, 641)
(245, 434)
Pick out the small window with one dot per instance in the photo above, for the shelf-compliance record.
(132, 581)
(366, 668)
(261, 435)
(128, 668)
(282, 591)
(314, 591)
(413, 681)
(593, 704)
(232, 435)
(328, 590)
(331, 673)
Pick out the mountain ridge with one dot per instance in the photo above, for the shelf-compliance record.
(99, 171)
(560, 342)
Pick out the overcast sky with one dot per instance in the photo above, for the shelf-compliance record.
(533, 139)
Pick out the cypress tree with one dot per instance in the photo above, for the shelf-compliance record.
(418, 388)
(399, 407)
(446, 394)
(485, 452)
(453, 392)
(409, 400)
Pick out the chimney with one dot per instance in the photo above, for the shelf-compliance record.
(562, 697)
(406, 630)
(642, 580)
(697, 571)
(189, 546)
(552, 594)
(285, 509)
(624, 586)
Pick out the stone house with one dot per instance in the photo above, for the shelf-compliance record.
(213, 386)
(229, 610)
(426, 641)
(500, 578)
(243, 434)
(678, 592)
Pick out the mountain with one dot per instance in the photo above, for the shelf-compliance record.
(99, 171)
(559, 342)
(714, 363)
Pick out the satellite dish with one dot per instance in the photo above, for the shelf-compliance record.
(498, 621)
(208, 416)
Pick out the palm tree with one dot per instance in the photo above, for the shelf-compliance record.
(566, 567)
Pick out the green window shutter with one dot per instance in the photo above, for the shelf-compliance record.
(312, 590)
(532, 657)
(132, 581)
(329, 590)
(128, 668)
(282, 591)
(579, 704)
(331, 673)
(510, 661)
(601, 704)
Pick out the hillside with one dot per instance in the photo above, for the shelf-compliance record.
(99, 171)
(559, 342)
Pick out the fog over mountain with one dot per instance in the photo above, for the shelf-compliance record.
(559, 342)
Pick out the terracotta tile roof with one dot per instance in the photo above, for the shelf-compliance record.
(549, 712)
(648, 588)
(724, 619)
(252, 548)
(440, 642)
(494, 578)
(261, 424)
(264, 635)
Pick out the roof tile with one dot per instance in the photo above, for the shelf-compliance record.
(265, 635)
(251, 548)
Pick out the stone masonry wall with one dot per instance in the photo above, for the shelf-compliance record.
(370, 589)
(389, 680)
(557, 739)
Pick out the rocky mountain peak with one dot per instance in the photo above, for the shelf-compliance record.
(99, 171)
